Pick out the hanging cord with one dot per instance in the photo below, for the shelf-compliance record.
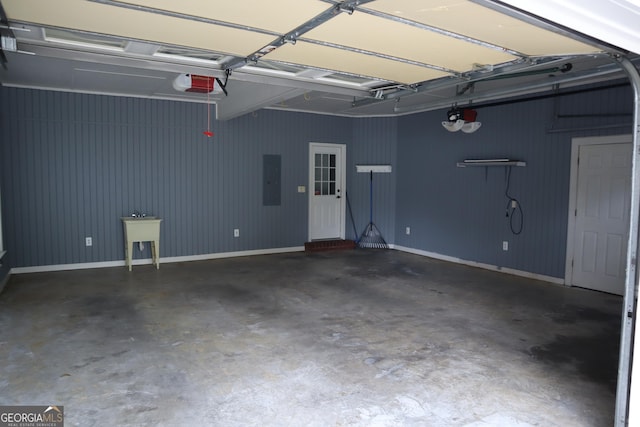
(513, 207)
(208, 132)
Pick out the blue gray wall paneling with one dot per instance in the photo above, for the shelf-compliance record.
(460, 212)
(73, 164)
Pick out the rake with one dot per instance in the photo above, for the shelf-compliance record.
(371, 236)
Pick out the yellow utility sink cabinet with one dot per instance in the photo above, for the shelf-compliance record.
(146, 229)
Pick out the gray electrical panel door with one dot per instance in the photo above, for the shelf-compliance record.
(271, 171)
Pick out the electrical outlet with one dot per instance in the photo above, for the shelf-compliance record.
(88, 241)
(407, 231)
(505, 245)
(236, 232)
(514, 204)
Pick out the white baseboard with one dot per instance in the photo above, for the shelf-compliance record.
(220, 255)
(529, 275)
(87, 265)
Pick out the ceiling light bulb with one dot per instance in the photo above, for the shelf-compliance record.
(453, 126)
(470, 127)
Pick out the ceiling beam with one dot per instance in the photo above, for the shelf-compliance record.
(247, 100)
(475, 76)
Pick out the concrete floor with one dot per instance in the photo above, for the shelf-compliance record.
(350, 338)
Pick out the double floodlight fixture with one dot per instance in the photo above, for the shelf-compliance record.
(463, 119)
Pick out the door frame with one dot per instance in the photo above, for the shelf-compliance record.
(576, 144)
(342, 148)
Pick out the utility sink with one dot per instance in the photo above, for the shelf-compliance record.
(141, 229)
(138, 218)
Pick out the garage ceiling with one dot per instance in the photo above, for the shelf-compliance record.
(350, 58)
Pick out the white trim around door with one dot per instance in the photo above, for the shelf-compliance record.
(327, 189)
(576, 145)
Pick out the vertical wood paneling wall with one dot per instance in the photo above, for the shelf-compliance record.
(460, 212)
(73, 164)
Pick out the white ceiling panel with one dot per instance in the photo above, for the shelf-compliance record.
(104, 19)
(314, 55)
(481, 23)
(405, 41)
(278, 16)
(101, 81)
(326, 56)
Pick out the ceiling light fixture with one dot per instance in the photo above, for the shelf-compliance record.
(463, 119)
(453, 126)
(471, 127)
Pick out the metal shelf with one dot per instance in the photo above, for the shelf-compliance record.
(490, 162)
(373, 168)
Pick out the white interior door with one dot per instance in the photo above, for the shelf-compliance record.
(327, 165)
(602, 217)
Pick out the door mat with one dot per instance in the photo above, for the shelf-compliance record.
(329, 245)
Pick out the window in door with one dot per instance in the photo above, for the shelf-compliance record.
(325, 175)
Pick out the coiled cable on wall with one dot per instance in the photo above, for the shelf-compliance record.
(514, 208)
